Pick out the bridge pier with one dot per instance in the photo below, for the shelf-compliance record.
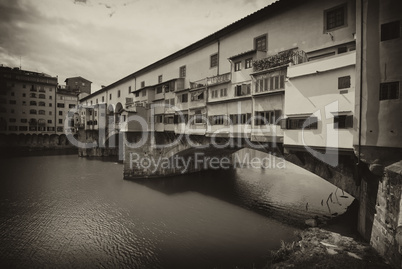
(101, 149)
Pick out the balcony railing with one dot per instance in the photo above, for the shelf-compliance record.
(198, 84)
(219, 79)
(282, 58)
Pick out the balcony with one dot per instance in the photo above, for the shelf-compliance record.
(285, 57)
(219, 79)
(198, 84)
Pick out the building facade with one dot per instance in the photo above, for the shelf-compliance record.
(27, 102)
(34, 103)
(252, 79)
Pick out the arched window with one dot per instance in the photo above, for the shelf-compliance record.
(42, 104)
(32, 111)
(42, 112)
(32, 103)
(42, 96)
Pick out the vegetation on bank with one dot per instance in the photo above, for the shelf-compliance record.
(318, 248)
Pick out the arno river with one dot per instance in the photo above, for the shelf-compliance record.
(71, 212)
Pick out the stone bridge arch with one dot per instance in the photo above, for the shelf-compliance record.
(150, 158)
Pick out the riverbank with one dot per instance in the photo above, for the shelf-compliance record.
(320, 248)
(7, 152)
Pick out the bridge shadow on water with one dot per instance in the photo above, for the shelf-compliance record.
(240, 189)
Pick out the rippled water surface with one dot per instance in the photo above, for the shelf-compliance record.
(65, 211)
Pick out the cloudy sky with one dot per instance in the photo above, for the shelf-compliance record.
(106, 40)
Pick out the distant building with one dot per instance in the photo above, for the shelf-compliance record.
(78, 84)
(34, 103)
(27, 102)
(65, 101)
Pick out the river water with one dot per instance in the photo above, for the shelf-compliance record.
(71, 212)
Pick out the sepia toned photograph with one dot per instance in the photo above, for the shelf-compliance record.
(200, 134)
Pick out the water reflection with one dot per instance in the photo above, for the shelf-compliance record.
(64, 211)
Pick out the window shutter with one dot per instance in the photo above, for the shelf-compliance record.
(349, 121)
(278, 114)
(284, 124)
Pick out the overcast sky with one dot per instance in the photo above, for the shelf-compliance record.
(106, 40)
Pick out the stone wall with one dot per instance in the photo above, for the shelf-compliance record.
(386, 235)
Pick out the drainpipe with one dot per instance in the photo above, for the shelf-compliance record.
(219, 55)
(361, 80)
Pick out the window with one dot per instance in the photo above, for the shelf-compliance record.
(144, 93)
(50, 113)
(267, 117)
(160, 79)
(183, 98)
(214, 94)
(344, 82)
(13, 102)
(198, 116)
(103, 99)
(12, 94)
(73, 105)
(390, 30)
(137, 94)
(218, 120)
(49, 121)
(158, 89)
(335, 18)
(24, 95)
(240, 118)
(60, 113)
(50, 97)
(32, 103)
(60, 121)
(169, 119)
(243, 89)
(237, 66)
(110, 96)
(50, 129)
(12, 128)
(12, 120)
(223, 92)
(248, 63)
(118, 93)
(300, 123)
(60, 105)
(50, 105)
(214, 60)
(182, 71)
(343, 121)
(195, 96)
(24, 120)
(129, 91)
(42, 104)
(32, 95)
(389, 90)
(142, 84)
(32, 111)
(23, 128)
(261, 43)
(42, 96)
(158, 118)
(342, 50)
